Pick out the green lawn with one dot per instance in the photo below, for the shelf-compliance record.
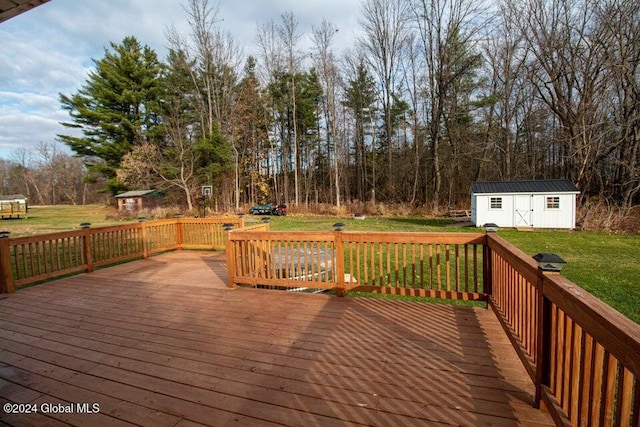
(606, 265)
(47, 219)
(323, 223)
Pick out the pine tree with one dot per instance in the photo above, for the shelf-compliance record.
(360, 97)
(116, 109)
(250, 138)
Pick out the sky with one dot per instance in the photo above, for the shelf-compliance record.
(50, 49)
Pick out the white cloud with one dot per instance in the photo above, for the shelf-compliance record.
(26, 131)
(26, 102)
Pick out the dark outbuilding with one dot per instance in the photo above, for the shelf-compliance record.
(135, 200)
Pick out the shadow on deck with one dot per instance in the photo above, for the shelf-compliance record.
(163, 342)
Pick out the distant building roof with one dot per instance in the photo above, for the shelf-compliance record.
(529, 186)
(12, 197)
(135, 193)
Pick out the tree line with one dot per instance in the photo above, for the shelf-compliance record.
(48, 175)
(433, 94)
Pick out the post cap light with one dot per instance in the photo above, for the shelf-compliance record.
(549, 262)
(4, 234)
(141, 219)
(85, 225)
(338, 226)
(265, 219)
(491, 227)
(227, 226)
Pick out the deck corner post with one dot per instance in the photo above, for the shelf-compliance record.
(179, 233)
(231, 261)
(143, 238)
(7, 284)
(86, 246)
(339, 254)
(543, 341)
(487, 268)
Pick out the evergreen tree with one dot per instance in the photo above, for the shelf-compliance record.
(360, 97)
(250, 138)
(116, 109)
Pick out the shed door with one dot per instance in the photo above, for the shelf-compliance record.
(522, 210)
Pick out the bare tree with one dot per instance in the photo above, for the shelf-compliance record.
(449, 31)
(619, 21)
(505, 100)
(566, 68)
(271, 50)
(414, 81)
(327, 66)
(24, 159)
(148, 165)
(289, 36)
(386, 25)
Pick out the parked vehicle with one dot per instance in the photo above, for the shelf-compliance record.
(279, 210)
(268, 209)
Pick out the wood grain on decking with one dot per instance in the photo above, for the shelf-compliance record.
(163, 342)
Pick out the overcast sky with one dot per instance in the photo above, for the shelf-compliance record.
(49, 50)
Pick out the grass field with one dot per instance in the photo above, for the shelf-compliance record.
(607, 265)
(48, 219)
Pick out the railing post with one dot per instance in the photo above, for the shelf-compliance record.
(543, 340)
(548, 264)
(86, 246)
(143, 238)
(339, 254)
(487, 267)
(231, 257)
(179, 233)
(7, 285)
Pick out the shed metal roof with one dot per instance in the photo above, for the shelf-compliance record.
(135, 193)
(524, 186)
(12, 197)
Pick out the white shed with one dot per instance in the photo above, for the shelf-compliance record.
(549, 203)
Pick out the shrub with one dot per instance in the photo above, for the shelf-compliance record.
(603, 216)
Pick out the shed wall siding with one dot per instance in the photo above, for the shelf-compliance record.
(541, 216)
(563, 217)
(502, 217)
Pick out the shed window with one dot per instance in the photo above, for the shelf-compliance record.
(553, 202)
(495, 202)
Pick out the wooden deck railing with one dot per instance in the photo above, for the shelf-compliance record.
(443, 265)
(26, 260)
(418, 264)
(583, 356)
(264, 258)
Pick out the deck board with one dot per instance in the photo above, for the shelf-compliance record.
(163, 342)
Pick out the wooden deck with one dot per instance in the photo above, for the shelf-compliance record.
(163, 342)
